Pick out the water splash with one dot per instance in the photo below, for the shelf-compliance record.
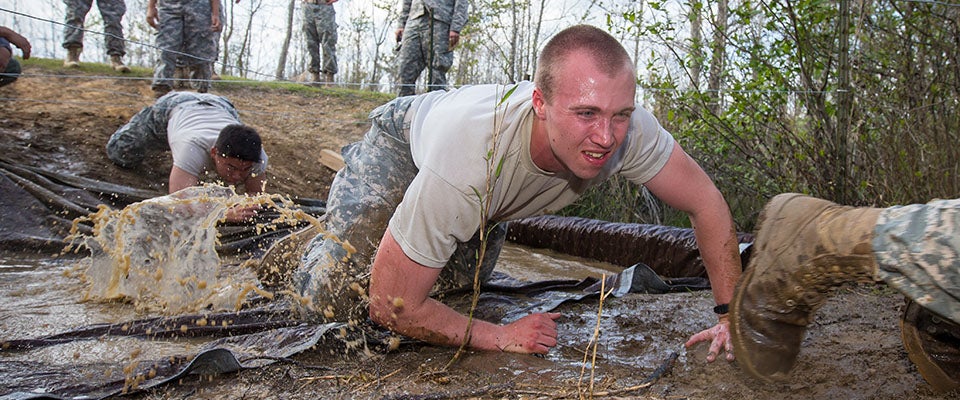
(161, 253)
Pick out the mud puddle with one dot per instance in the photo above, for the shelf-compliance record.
(852, 351)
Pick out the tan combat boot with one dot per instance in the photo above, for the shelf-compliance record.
(118, 65)
(181, 78)
(804, 246)
(933, 344)
(328, 79)
(73, 57)
(315, 78)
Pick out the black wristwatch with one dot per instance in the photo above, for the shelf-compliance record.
(722, 309)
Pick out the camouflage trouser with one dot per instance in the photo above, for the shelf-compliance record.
(918, 252)
(185, 33)
(112, 12)
(362, 199)
(11, 73)
(216, 44)
(320, 30)
(426, 44)
(147, 130)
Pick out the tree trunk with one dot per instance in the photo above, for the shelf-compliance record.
(696, 43)
(719, 50)
(844, 105)
(245, 45)
(226, 38)
(282, 62)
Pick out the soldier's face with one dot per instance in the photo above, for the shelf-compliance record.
(586, 119)
(233, 171)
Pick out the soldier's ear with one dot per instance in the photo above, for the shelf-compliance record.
(538, 102)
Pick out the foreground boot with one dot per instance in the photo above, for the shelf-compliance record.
(328, 79)
(118, 65)
(315, 78)
(804, 246)
(933, 344)
(73, 57)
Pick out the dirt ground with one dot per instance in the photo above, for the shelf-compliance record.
(57, 120)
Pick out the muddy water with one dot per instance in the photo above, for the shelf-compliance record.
(45, 296)
(39, 297)
(853, 350)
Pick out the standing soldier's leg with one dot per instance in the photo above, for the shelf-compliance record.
(216, 44)
(414, 50)
(311, 33)
(169, 40)
(328, 40)
(112, 12)
(442, 58)
(199, 43)
(73, 32)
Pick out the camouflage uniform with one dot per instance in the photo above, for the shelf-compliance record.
(362, 198)
(320, 28)
(12, 72)
(112, 12)
(426, 41)
(147, 130)
(185, 33)
(917, 249)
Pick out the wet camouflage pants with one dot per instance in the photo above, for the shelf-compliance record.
(918, 252)
(147, 129)
(320, 31)
(185, 33)
(112, 13)
(426, 44)
(362, 199)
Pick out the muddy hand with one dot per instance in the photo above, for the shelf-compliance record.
(719, 338)
(534, 333)
(241, 213)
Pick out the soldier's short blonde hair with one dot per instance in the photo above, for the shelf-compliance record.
(599, 45)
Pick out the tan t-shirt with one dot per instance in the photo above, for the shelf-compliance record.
(450, 136)
(192, 130)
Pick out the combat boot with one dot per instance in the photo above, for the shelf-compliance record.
(160, 90)
(199, 77)
(804, 246)
(315, 78)
(328, 79)
(118, 65)
(73, 57)
(181, 78)
(933, 344)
